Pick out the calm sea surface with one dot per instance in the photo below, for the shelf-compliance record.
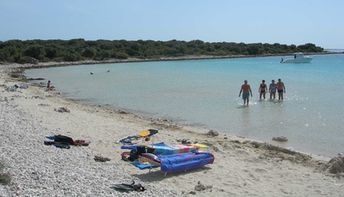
(205, 93)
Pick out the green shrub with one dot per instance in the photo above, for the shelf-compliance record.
(5, 179)
(79, 49)
(120, 55)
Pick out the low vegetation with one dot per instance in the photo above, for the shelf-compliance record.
(31, 51)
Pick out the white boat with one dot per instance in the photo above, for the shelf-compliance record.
(298, 58)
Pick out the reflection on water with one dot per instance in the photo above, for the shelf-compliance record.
(246, 121)
(206, 92)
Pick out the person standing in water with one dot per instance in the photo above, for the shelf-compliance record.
(272, 89)
(280, 89)
(262, 90)
(246, 91)
(48, 84)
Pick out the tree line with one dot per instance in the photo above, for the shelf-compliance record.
(29, 51)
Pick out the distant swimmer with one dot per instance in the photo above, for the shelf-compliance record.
(272, 89)
(246, 91)
(262, 90)
(91, 73)
(280, 89)
(108, 71)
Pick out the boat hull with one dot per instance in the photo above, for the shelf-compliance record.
(298, 61)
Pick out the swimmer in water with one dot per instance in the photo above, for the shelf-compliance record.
(246, 91)
(280, 89)
(262, 90)
(272, 89)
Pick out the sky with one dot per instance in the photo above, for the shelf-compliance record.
(250, 21)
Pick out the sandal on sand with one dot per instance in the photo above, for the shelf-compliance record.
(128, 187)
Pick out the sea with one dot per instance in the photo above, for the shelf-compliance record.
(205, 93)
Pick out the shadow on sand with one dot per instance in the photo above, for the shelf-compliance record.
(157, 175)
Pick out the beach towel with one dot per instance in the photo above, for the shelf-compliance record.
(61, 145)
(81, 143)
(57, 144)
(61, 139)
(142, 166)
(148, 133)
(164, 149)
(149, 158)
(128, 187)
(145, 134)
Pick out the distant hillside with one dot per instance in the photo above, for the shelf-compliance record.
(29, 51)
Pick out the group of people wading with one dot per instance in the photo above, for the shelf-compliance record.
(273, 88)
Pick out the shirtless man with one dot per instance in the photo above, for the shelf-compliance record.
(272, 89)
(262, 90)
(246, 91)
(280, 89)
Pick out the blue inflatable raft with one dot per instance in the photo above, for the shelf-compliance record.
(185, 161)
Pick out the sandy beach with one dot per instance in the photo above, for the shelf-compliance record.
(242, 167)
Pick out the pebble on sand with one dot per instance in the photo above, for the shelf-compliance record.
(101, 159)
(280, 139)
(62, 109)
(201, 187)
(212, 133)
(335, 165)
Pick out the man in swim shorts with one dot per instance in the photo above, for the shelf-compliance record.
(262, 90)
(246, 91)
(272, 89)
(280, 89)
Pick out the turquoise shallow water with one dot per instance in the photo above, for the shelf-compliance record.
(205, 92)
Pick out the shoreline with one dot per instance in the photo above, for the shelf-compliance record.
(169, 123)
(147, 115)
(133, 60)
(242, 167)
(196, 128)
(18, 70)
